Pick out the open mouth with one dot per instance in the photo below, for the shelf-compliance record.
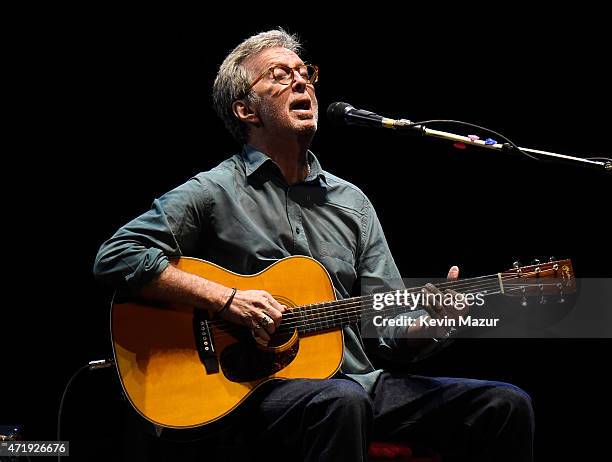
(301, 105)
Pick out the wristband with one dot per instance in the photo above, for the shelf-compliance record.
(228, 303)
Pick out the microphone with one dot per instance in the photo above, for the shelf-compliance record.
(344, 113)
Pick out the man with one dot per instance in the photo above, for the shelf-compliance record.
(274, 200)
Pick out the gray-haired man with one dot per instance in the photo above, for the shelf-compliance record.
(273, 200)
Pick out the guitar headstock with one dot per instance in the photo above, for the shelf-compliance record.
(555, 277)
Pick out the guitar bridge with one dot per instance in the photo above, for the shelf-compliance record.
(205, 342)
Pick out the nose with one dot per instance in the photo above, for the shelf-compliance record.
(299, 82)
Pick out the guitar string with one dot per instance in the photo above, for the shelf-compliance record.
(321, 315)
(463, 284)
(334, 316)
(315, 310)
(355, 317)
(307, 312)
(324, 315)
(317, 322)
(326, 319)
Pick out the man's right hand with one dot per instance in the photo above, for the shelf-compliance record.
(257, 310)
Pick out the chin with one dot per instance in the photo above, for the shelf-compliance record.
(307, 128)
(309, 123)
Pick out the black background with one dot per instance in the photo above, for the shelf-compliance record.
(114, 111)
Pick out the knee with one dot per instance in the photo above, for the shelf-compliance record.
(346, 397)
(512, 401)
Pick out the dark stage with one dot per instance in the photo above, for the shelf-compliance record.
(119, 112)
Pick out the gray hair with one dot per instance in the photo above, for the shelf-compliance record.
(233, 79)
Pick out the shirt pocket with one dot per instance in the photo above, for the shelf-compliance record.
(340, 263)
(329, 249)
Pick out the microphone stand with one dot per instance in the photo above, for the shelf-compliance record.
(404, 124)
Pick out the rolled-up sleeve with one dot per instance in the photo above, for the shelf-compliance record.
(142, 248)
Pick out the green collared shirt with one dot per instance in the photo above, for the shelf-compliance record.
(243, 216)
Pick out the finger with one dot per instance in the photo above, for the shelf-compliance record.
(430, 289)
(451, 306)
(465, 306)
(266, 323)
(274, 314)
(453, 273)
(261, 333)
(277, 306)
(260, 341)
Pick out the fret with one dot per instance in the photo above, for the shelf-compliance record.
(319, 317)
(302, 322)
(333, 317)
(325, 317)
(313, 311)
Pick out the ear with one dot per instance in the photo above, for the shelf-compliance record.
(244, 113)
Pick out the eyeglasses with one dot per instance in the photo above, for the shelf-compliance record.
(285, 75)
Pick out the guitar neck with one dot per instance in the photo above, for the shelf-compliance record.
(339, 313)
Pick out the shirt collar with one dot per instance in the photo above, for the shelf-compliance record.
(254, 160)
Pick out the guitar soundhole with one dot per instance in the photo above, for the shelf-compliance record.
(245, 361)
(284, 332)
(280, 338)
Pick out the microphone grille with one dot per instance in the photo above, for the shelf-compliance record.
(336, 112)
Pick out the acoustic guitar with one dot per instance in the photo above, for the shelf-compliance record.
(180, 368)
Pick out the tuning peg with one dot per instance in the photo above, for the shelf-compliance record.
(542, 297)
(555, 267)
(536, 263)
(517, 266)
(561, 294)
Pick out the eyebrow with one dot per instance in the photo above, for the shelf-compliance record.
(276, 63)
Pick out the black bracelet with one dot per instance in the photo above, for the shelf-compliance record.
(228, 303)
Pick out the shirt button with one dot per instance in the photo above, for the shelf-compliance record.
(297, 230)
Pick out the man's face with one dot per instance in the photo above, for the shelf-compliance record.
(283, 109)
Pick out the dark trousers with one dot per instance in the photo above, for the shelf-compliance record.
(335, 419)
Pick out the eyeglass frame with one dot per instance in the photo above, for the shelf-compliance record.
(311, 81)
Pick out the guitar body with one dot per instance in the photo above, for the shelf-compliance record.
(173, 381)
